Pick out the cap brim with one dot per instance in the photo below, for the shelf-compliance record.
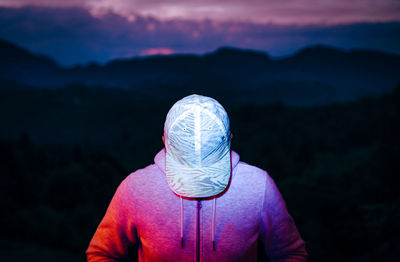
(198, 182)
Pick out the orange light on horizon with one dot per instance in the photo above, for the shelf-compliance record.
(156, 51)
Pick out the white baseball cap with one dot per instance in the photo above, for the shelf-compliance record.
(197, 143)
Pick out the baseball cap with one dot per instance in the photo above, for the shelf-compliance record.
(197, 144)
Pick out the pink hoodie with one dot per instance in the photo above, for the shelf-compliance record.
(145, 212)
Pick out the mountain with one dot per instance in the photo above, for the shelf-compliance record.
(20, 65)
(314, 75)
(358, 71)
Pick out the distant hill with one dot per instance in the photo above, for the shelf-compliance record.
(314, 75)
(20, 65)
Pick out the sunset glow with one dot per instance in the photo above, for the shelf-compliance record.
(157, 51)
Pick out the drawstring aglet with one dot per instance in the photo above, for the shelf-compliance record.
(181, 242)
(213, 223)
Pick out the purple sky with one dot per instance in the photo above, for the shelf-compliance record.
(258, 11)
(99, 30)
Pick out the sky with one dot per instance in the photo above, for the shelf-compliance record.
(79, 32)
(259, 11)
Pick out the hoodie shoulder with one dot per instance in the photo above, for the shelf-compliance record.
(143, 174)
(244, 169)
(147, 181)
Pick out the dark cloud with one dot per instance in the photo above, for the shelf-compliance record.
(73, 35)
(258, 11)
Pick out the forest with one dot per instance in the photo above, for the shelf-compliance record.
(64, 151)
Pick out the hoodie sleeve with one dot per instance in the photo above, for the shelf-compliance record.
(282, 241)
(116, 232)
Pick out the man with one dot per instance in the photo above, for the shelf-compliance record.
(198, 202)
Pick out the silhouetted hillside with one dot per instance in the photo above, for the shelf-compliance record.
(351, 73)
(315, 75)
(19, 65)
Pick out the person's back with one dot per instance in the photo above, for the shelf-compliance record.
(198, 201)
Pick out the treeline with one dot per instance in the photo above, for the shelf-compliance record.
(63, 153)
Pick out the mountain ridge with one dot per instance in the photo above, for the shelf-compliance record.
(316, 74)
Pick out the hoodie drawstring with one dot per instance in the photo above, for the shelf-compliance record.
(181, 222)
(212, 222)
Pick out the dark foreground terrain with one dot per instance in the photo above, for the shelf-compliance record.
(64, 151)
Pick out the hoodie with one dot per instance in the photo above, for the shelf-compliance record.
(146, 213)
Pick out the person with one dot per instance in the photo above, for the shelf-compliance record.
(197, 202)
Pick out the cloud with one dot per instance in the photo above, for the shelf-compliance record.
(256, 11)
(73, 35)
